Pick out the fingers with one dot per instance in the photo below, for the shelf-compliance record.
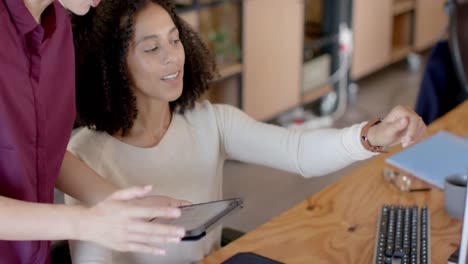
(422, 130)
(398, 126)
(408, 133)
(142, 248)
(152, 239)
(179, 203)
(131, 193)
(171, 202)
(155, 229)
(184, 203)
(147, 212)
(402, 124)
(387, 133)
(420, 133)
(414, 130)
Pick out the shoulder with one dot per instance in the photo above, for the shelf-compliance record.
(217, 117)
(202, 112)
(86, 141)
(2, 8)
(205, 113)
(207, 110)
(63, 30)
(200, 109)
(7, 28)
(61, 16)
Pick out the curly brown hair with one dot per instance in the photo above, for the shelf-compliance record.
(105, 101)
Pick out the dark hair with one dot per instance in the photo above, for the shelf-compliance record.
(105, 101)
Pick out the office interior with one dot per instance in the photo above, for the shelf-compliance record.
(311, 64)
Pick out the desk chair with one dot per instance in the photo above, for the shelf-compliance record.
(444, 84)
(60, 252)
(458, 39)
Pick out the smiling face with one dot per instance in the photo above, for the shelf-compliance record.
(155, 57)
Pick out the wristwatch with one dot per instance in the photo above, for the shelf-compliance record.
(365, 140)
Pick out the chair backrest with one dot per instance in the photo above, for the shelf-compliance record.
(458, 39)
(60, 253)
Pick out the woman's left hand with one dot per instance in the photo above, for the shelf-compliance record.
(401, 126)
(159, 200)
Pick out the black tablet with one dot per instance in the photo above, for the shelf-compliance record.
(199, 219)
(251, 258)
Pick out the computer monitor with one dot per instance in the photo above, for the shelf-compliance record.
(462, 255)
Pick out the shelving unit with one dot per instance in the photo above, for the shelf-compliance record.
(288, 48)
(283, 56)
(402, 30)
(313, 95)
(386, 31)
(402, 6)
(321, 46)
(219, 24)
(226, 71)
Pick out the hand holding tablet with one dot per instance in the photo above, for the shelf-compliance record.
(199, 219)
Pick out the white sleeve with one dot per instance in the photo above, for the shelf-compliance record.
(84, 252)
(307, 152)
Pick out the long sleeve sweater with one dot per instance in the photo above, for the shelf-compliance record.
(188, 164)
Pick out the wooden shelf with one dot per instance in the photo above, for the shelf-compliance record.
(210, 18)
(383, 30)
(401, 35)
(183, 2)
(314, 94)
(399, 53)
(225, 92)
(191, 17)
(189, 5)
(320, 42)
(226, 71)
(402, 6)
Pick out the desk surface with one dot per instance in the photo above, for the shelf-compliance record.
(338, 224)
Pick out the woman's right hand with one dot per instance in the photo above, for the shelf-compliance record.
(121, 224)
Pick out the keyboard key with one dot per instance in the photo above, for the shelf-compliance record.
(390, 232)
(402, 235)
(405, 259)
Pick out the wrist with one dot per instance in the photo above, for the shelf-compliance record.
(78, 218)
(371, 136)
(367, 137)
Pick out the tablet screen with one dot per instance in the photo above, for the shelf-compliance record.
(197, 215)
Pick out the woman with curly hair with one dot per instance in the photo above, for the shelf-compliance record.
(140, 70)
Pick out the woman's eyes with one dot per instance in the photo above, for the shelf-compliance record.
(152, 49)
(155, 48)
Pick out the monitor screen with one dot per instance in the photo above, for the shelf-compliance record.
(462, 257)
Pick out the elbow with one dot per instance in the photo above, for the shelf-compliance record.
(314, 172)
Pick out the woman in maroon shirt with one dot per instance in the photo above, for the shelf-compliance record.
(37, 109)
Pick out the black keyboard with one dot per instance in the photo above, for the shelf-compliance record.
(403, 235)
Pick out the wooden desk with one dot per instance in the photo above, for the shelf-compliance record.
(338, 224)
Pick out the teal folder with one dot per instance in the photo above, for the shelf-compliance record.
(434, 158)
